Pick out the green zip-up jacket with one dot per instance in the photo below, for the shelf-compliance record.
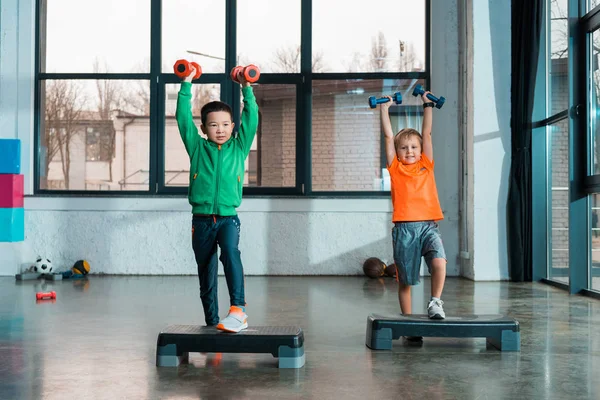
(216, 171)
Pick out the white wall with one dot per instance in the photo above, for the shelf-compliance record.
(491, 141)
(446, 148)
(279, 236)
(153, 236)
(17, 48)
(16, 95)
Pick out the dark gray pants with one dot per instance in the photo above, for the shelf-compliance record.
(207, 232)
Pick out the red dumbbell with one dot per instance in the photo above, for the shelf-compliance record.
(45, 295)
(183, 68)
(250, 72)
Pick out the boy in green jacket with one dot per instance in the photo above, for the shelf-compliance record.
(215, 191)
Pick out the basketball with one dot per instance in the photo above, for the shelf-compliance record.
(390, 270)
(373, 267)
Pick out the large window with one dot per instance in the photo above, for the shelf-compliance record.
(593, 96)
(177, 165)
(94, 135)
(570, 61)
(557, 139)
(107, 104)
(594, 102)
(94, 36)
(193, 30)
(558, 136)
(347, 146)
(367, 38)
(275, 47)
(594, 235)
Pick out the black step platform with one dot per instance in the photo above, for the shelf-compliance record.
(500, 331)
(175, 343)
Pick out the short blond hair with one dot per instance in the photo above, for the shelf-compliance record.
(405, 134)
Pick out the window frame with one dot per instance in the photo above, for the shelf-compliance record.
(229, 93)
(581, 185)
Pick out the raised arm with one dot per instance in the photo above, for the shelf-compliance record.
(249, 118)
(426, 130)
(185, 121)
(388, 134)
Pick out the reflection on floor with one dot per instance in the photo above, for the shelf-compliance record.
(98, 341)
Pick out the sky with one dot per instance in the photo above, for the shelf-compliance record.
(117, 32)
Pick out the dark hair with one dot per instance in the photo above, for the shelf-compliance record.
(214, 106)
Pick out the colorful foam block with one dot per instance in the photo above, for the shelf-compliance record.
(12, 224)
(11, 191)
(10, 156)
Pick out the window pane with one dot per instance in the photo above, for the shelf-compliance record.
(95, 135)
(349, 37)
(592, 4)
(559, 198)
(559, 53)
(347, 146)
(195, 31)
(272, 159)
(177, 162)
(594, 96)
(95, 36)
(595, 241)
(276, 46)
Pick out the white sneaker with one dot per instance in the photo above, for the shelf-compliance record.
(235, 321)
(435, 310)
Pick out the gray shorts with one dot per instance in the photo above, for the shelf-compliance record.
(411, 241)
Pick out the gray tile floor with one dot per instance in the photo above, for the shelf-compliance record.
(98, 341)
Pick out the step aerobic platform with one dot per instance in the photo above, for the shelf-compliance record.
(500, 331)
(175, 343)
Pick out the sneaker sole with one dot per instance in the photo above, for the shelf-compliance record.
(437, 316)
(222, 328)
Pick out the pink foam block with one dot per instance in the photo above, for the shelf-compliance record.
(11, 191)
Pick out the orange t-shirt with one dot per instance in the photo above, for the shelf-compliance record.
(414, 194)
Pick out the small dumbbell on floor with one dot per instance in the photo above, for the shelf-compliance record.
(45, 295)
(183, 68)
(373, 101)
(250, 72)
(419, 91)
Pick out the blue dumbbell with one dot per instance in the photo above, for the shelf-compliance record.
(438, 102)
(373, 101)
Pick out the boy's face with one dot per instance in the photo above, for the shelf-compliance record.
(218, 126)
(409, 150)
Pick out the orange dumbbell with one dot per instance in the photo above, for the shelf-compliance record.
(183, 68)
(46, 295)
(251, 73)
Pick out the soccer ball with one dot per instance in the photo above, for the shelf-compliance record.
(43, 266)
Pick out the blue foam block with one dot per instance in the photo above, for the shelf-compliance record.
(12, 224)
(10, 156)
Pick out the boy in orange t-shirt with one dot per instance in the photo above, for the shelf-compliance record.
(416, 209)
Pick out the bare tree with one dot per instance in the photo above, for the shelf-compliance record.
(560, 37)
(560, 50)
(287, 60)
(355, 64)
(136, 99)
(408, 57)
(63, 108)
(381, 58)
(109, 99)
(201, 96)
(379, 53)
